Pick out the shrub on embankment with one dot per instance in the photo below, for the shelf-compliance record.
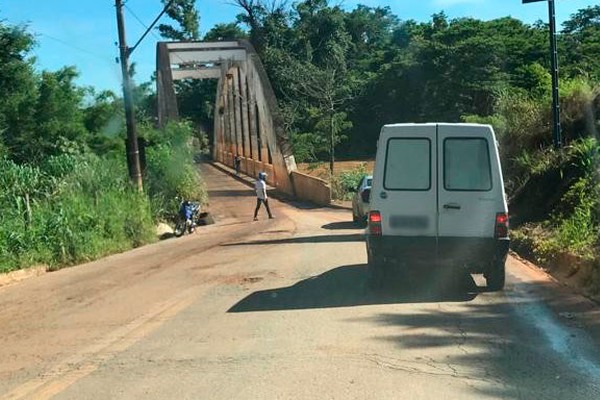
(75, 208)
(68, 210)
(557, 214)
(171, 173)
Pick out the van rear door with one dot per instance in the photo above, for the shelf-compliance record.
(406, 180)
(470, 184)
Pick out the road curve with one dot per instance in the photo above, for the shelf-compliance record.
(277, 309)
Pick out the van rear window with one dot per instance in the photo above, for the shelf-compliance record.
(408, 164)
(467, 165)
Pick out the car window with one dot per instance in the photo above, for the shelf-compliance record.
(467, 164)
(408, 164)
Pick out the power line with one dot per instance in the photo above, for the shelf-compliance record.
(66, 43)
(132, 49)
(158, 38)
(141, 22)
(80, 49)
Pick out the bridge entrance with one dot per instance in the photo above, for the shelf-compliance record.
(246, 118)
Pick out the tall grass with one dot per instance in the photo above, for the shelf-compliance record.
(69, 210)
(74, 208)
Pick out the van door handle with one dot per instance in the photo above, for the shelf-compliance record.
(452, 206)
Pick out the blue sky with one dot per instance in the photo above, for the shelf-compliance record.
(83, 32)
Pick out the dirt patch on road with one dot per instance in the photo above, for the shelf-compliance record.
(239, 279)
(22, 274)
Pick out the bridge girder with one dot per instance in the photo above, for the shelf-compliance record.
(247, 121)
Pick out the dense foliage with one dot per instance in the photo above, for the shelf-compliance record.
(373, 68)
(69, 209)
(64, 191)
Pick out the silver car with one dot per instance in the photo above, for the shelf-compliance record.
(360, 200)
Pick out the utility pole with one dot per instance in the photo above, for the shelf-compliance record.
(133, 153)
(554, 67)
(556, 131)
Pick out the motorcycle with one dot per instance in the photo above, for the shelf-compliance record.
(187, 217)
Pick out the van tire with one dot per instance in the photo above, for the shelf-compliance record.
(364, 221)
(375, 272)
(496, 276)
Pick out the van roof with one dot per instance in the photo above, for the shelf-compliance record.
(392, 130)
(435, 124)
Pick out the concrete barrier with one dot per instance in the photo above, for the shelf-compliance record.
(306, 187)
(250, 167)
(310, 188)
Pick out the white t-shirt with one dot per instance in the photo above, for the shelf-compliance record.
(261, 189)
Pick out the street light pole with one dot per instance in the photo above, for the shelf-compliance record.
(133, 153)
(556, 131)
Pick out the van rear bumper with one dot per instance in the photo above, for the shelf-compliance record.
(476, 254)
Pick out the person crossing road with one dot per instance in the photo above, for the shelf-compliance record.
(260, 186)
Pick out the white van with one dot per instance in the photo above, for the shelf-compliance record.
(438, 198)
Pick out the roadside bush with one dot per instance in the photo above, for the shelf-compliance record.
(71, 210)
(521, 122)
(306, 146)
(579, 108)
(343, 183)
(171, 173)
(574, 223)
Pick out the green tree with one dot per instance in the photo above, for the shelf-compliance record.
(370, 31)
(444, 69)
(225, 32)
(322, 36)
(58, 114)
(183, 12)
(104, 120)
(580, 43)
(18, 89)
(267, 22)
(328, 94)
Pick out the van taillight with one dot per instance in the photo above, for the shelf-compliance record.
(375, 223)
(501, 229)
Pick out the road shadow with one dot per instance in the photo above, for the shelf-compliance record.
(301, 205)
(231, 193)
(341, 225)
(166, 235)
(301, 240)
(346, 287)
(514, 350)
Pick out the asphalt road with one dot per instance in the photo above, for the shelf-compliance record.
(278, 309)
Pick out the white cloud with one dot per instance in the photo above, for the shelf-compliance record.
(450, 3)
